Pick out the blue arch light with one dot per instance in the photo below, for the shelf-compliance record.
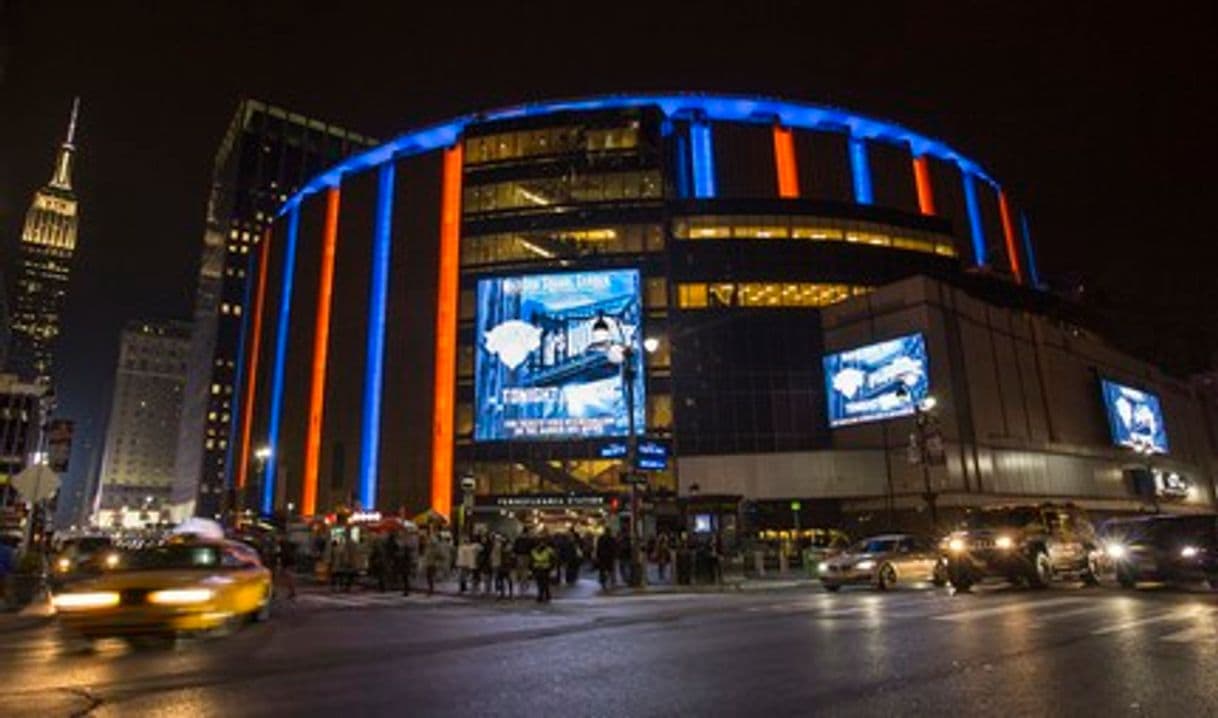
(717, 108)
(375, 360)
(281, 353)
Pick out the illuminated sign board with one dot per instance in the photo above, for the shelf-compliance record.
(539, 371)
(1134, 417)
(877, 381)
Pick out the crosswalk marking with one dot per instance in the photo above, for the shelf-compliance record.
(1192, 634)
(1176, 615)
(968, 615)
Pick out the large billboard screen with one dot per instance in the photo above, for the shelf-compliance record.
(540, 373)
(877, 381)
(1134, 417)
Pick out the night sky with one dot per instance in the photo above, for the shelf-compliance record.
(1101, 124)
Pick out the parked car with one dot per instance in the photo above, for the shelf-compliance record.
(883, 562)
(1024, 544)
(1177, 549)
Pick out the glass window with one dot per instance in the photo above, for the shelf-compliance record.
(691, 295)
(656, 293)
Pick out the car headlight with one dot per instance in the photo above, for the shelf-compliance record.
(1115, 550)
(85, 600)
(956, 545)
(112, 560)
(865, 565)
(1188, 551)
(1004, 542)
(180, 596)
(823, 566)
(63, 565)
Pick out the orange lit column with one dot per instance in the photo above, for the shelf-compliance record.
(251, 379)
(1008, 234)
(321, 343)
(446, 335)
(784, 160)
(926, 196)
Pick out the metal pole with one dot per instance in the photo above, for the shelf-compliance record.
(637, 567)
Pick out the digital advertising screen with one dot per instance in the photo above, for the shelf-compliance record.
(877, 381)
(1134, 417)
(539, 371)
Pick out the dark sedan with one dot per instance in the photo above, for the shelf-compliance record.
(1174, 549)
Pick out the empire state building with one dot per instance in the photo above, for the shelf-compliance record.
(48, 241)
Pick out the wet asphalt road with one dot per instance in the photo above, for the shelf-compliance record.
(1067, 651)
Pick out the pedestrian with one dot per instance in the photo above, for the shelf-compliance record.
(408, 560)
(384, 562)
(574, 557)
(287, 566)
(485, 575)
(625, 558)
(544, 558)
(501, 565)
(663, 555)
(467, 562)
(606, 556)
(522, 549)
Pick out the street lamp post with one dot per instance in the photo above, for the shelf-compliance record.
(922, 416)
(621, 350)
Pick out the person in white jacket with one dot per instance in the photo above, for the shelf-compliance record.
(467, 560)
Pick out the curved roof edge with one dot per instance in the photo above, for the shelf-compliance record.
(714, 107)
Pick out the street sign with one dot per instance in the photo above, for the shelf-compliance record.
(795, 505)
(36, 483)
(651, 456)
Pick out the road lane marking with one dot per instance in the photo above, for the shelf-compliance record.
(1176, 615)
(1192, 634)
(970, 614)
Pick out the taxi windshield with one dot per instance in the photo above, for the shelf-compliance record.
(169, 557)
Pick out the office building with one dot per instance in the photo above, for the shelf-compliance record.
(137, 467)
(266, 155)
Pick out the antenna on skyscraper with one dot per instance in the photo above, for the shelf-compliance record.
(72, 122)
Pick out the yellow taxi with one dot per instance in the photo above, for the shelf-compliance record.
(177, 586)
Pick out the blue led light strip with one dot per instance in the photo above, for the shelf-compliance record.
(239, 381)
(974, 218)
(374, 366)
(702, 156)
(281, 353)
(718, 108)
(1029, 254)
(860, 170)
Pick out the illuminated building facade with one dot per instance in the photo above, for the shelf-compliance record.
(449, 304)
(48, 243)
(141, 437)
(266, 155)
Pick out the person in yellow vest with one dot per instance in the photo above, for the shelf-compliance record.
(543, 558)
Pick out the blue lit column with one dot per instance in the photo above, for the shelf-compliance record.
(974, 217)
(370, 440)
(281, 352)
(860, 170)
(1029, 254)
(702, 158)
(234, 424)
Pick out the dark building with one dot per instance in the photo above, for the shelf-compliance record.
(266, 155)
(23, 411)
(469, 299)
(48, 244)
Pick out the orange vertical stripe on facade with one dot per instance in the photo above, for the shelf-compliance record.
(446, 335)
(1008, 233)
(926, 196)
(784, 160)
(251, 380)
(321, 344)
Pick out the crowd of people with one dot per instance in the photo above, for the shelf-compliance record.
(492, 563)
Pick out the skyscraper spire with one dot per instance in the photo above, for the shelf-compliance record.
(62, 179)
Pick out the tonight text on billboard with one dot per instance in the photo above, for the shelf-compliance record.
(1134, 417)
(539, 373)
(877, 381)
